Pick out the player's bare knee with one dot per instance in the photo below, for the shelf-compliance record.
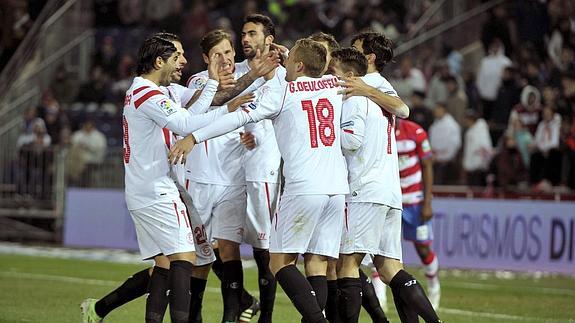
(201, 272)
(229, 250)
(315, 265)
(332, 265)
(348, 266)
(162, 262)
(280, 260)
(422, 250)
(387, 268)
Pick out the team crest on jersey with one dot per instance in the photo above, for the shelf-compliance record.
(166, 106)
(264, 89)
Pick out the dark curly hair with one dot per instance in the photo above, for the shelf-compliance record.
(378, 44)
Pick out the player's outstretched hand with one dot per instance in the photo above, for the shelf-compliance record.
(248, 140)
(426, 212)
(353, 86)
(181, 149)
(264, 65)
(237, 102)
(214, 66)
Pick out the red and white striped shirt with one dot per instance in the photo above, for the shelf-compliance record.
(412, 147)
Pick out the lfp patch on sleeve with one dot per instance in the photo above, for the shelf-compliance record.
(198, 83)
(166, 106)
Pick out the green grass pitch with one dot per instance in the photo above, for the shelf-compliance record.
(43, 289)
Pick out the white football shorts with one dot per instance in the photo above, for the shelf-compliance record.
(308, 224)
(163, 228)
(261, 207)
(222, 209)
(204, 251)
(373, 229)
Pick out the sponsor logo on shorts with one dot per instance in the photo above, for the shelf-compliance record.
(262, 236)
(240, 231)
(206, 250)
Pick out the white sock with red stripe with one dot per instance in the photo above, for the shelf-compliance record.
(431, 265)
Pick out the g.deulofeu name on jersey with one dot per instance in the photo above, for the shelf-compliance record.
(310, 86)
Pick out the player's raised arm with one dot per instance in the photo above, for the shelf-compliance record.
(355, 86)
(252, 80)
(201, 101)
(168, 114)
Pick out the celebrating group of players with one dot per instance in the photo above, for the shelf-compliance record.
(203, 170)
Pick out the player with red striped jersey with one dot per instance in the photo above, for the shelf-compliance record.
(416, 173)
(160, 217)
(309, 220)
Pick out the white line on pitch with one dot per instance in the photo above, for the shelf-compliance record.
(483, 286)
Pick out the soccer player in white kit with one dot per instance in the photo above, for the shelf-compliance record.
(94, 310)
(216, 181)
(160, 217)
(310, 216)
(261, 165)
(410, 299)
(373, 214)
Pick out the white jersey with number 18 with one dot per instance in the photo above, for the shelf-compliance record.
(308, 135)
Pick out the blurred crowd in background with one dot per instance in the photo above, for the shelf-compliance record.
(509, 122)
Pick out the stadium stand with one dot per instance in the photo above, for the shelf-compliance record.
(513, 69)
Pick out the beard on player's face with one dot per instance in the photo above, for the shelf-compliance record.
(250, 49)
